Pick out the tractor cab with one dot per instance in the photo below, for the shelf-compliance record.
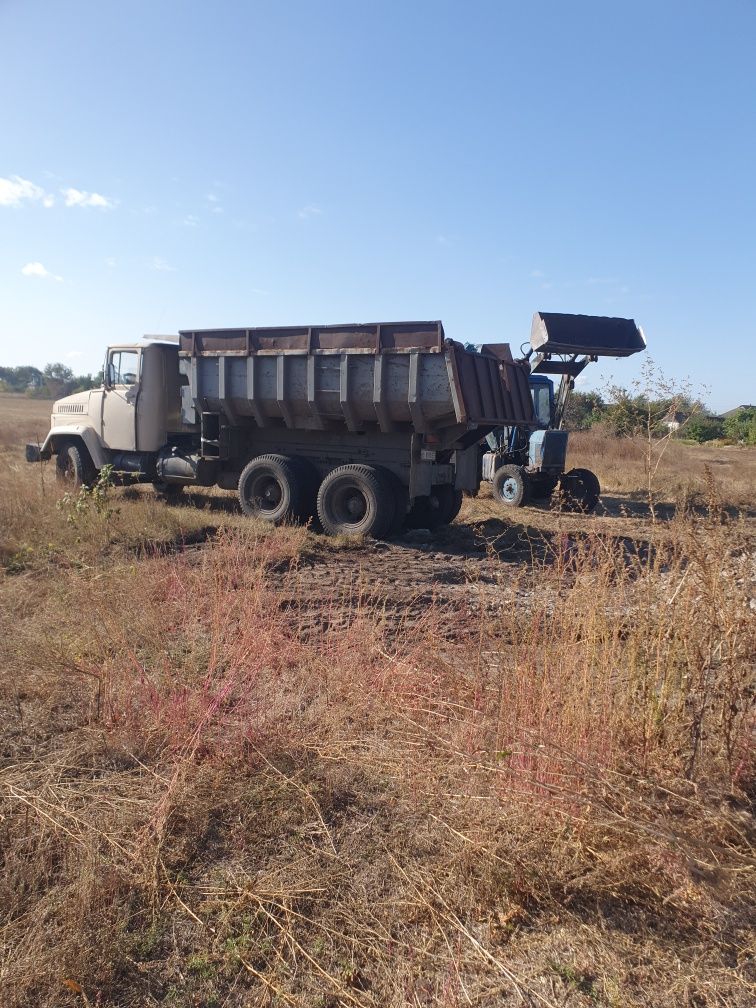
(542, 393)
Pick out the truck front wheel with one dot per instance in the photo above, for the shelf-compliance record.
(510, 486)
(274, 488)
(357, 500)
(73, 467)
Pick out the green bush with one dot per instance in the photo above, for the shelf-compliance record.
(703, 428)
(742, 426)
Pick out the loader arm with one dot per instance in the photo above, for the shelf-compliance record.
(566, 385)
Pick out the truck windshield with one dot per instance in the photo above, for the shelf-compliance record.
(541, 403)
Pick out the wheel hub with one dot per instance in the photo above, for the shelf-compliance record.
(355, 506)
(266, 493)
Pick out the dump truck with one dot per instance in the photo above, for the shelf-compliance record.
(526, 462)
(366, 427)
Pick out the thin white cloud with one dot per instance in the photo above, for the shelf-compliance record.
(161, 266)
(111, 262)
(80, 198)
(442, 239)
(15, 191)
(601, 281)
(36, 269)
(214, 203)
(311, 210)
(537, 274)
(191, 220)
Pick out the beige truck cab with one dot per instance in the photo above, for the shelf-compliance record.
(123, 423)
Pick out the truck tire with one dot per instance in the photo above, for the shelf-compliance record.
(73, 466)
(579, 490)
(274, 488)
(510, 486)
(357, 500)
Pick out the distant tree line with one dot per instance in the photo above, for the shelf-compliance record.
(628, 413)
(52, 382)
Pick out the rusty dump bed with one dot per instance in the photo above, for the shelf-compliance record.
(389, 375)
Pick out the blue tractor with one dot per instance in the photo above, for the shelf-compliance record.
(528, 463)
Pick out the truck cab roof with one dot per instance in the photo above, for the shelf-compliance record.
(147, 341)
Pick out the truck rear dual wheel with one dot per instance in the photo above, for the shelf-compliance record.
(358, 500)
(277, 488)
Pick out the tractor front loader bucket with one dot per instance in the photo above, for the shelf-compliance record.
(593, 335)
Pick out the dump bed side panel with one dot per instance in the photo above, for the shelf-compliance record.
(398, 375)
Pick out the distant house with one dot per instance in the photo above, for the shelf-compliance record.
(674, 420)
(736, 410)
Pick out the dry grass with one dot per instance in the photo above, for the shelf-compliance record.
(206, 802)
(23, 419)
(683, 474)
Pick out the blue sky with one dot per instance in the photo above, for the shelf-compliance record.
(174, 165)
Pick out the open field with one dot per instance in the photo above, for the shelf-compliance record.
(510, 764)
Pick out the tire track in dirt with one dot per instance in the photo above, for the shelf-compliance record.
(398, 583)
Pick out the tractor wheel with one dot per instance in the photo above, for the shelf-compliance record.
(274, 488)
(447, 500)
(73, 467)
(579, 490)
(439, 508)
(510, 486)
(542, 487)
(357, 500)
